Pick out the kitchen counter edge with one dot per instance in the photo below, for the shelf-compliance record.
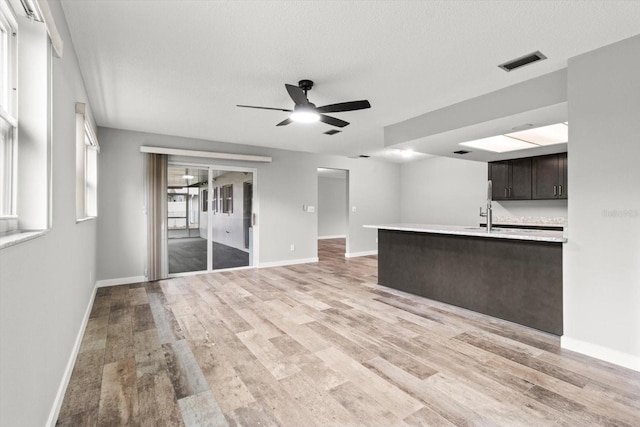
(458, 230)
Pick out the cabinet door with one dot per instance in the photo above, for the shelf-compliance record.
(520, 171)
(499, 176)
(563, 190)
(545, 177)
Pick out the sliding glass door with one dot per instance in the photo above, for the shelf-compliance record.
(211, 218)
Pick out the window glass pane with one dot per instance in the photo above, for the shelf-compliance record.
(7, 165)
(4, 56)
(92, 182)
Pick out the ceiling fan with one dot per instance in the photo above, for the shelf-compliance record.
(306, 112)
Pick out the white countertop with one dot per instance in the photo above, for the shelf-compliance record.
(497, 233)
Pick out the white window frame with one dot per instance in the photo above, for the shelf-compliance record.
(30, 154)
(8, 118)
(87, 149)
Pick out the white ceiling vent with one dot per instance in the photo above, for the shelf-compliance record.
(522, 61)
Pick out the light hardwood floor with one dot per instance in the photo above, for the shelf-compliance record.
(322, 344)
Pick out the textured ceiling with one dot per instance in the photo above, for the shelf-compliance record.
(180, 67)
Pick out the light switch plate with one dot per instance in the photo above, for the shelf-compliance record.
(311, 209)
(353, 208)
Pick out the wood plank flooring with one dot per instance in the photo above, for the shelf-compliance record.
(324, 345)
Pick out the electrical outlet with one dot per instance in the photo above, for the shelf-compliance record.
(292, 247)
(311, 209)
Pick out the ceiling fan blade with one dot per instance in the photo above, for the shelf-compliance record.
(264, 108)
(344, 106)
(297, 94)
(333, 121)
(284, 122)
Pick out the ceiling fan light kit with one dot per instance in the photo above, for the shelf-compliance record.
(304, 114)
(307, 112)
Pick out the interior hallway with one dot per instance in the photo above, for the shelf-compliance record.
(323, 344)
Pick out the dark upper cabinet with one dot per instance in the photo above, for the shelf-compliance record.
(564, 182)
(520, 179)
(549, 177)
(511, 179)
(499, 176)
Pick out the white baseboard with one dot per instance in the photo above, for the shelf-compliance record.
(608, 355)
(62, 388)
(287, 262)
(120, 281)
(357, 254)
(331, 237)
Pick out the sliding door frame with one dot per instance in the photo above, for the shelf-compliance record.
(254, 250)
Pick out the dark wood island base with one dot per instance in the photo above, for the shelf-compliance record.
(515, 280)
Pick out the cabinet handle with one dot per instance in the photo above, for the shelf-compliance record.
(509, 192)
(555, 190)
(506, 195)
(560, 190)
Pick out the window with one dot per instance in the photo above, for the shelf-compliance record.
(8, 117)
(227, 198)
(205, 200)
(214, 207)
(87, 149)
(27, 40)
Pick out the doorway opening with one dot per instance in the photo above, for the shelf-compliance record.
(211, 218)
(333, 211)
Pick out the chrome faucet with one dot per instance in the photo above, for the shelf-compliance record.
(489, 213)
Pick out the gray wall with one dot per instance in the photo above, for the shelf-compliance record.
(602, 257)
(283, 186)
(332, 206)
(440, 190)
(46, 284)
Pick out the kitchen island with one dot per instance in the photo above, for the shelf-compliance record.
(511, 274)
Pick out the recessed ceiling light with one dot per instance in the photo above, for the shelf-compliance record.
(498, 144)
(545, 135)
(407, 153)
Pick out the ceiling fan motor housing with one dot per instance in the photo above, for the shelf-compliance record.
(305, 85)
